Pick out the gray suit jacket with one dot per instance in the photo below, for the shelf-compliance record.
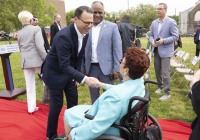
(31, 45)
(109, 49)
(169, 32)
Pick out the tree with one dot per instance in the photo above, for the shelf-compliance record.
(9, 10)
(143, 15)
(69, 15)
(176, 18)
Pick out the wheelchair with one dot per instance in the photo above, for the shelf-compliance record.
(138, 123)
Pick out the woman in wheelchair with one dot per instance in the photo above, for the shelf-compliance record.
(112, 105)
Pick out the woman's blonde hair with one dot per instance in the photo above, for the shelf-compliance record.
(25, 17)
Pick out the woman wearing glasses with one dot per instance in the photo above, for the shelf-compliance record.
(112, 104)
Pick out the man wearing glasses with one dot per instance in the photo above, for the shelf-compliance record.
(46, 43)
(62, 65)
(163, 34)
(103, 51)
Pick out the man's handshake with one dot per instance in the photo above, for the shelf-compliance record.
(91, 82)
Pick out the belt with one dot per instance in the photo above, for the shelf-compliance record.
(96, 64)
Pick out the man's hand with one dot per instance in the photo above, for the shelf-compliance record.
(159, 42)
(116, 75)
(91, 82)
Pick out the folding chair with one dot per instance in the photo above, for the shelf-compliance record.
(188, 71)
(177, 58)
(194, 62)
(180, 64)
(190, 78)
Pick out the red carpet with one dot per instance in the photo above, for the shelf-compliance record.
(17, 124)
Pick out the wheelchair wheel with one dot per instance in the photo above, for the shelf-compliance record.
(155, 123)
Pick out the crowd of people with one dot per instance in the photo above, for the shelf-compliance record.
(94, 52)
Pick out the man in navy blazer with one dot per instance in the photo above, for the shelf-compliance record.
(197, 41)
(62, 65)
(55, 27)
(103, 50)
(163, 34)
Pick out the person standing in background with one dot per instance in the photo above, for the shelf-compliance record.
(103, 50)
(55, 27)
(72, 19)
(148, 42)
(46, 93)
(127, 32)
(197, 41)
(163, 34)
(31, 45)
(46, 43)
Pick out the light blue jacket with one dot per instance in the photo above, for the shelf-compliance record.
(109, 108)
(169, 32)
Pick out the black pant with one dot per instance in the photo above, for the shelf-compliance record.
(197, 51)
(56, 103)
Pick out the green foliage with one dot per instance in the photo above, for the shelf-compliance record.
(110, 16)
(176, 18)
(9, 10)
(69, 15)
(141, 16)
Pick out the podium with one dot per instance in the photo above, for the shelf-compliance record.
(11, 92)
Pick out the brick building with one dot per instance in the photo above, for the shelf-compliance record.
(60, 6)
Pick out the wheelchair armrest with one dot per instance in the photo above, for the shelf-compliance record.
(89, 117)
(151, 82)
(143, 99)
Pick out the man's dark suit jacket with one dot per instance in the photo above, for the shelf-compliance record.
(196, 36)
(53, 30)
(46, 43)
(63, 62)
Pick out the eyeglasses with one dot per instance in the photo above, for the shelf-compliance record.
(100, 13)
(85, 22)
(160, 9)
(121, 62)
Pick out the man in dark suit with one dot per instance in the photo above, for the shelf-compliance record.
(46, 43)
(62, 65)
(55, 27)
(197, 41)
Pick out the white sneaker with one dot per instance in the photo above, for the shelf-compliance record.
(165, 97)
(158, 91)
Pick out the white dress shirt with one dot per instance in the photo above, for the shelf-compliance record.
(95, 38)
(80, 38)
(58, 26)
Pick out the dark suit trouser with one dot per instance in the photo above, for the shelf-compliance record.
(162, 70)
(56, 103)
(197, 51)
(95, 71)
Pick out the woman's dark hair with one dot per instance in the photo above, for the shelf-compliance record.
(78, 12)
(137, 61)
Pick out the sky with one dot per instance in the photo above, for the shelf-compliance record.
(174, 6)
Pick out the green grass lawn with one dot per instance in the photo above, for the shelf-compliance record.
(177, 108)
